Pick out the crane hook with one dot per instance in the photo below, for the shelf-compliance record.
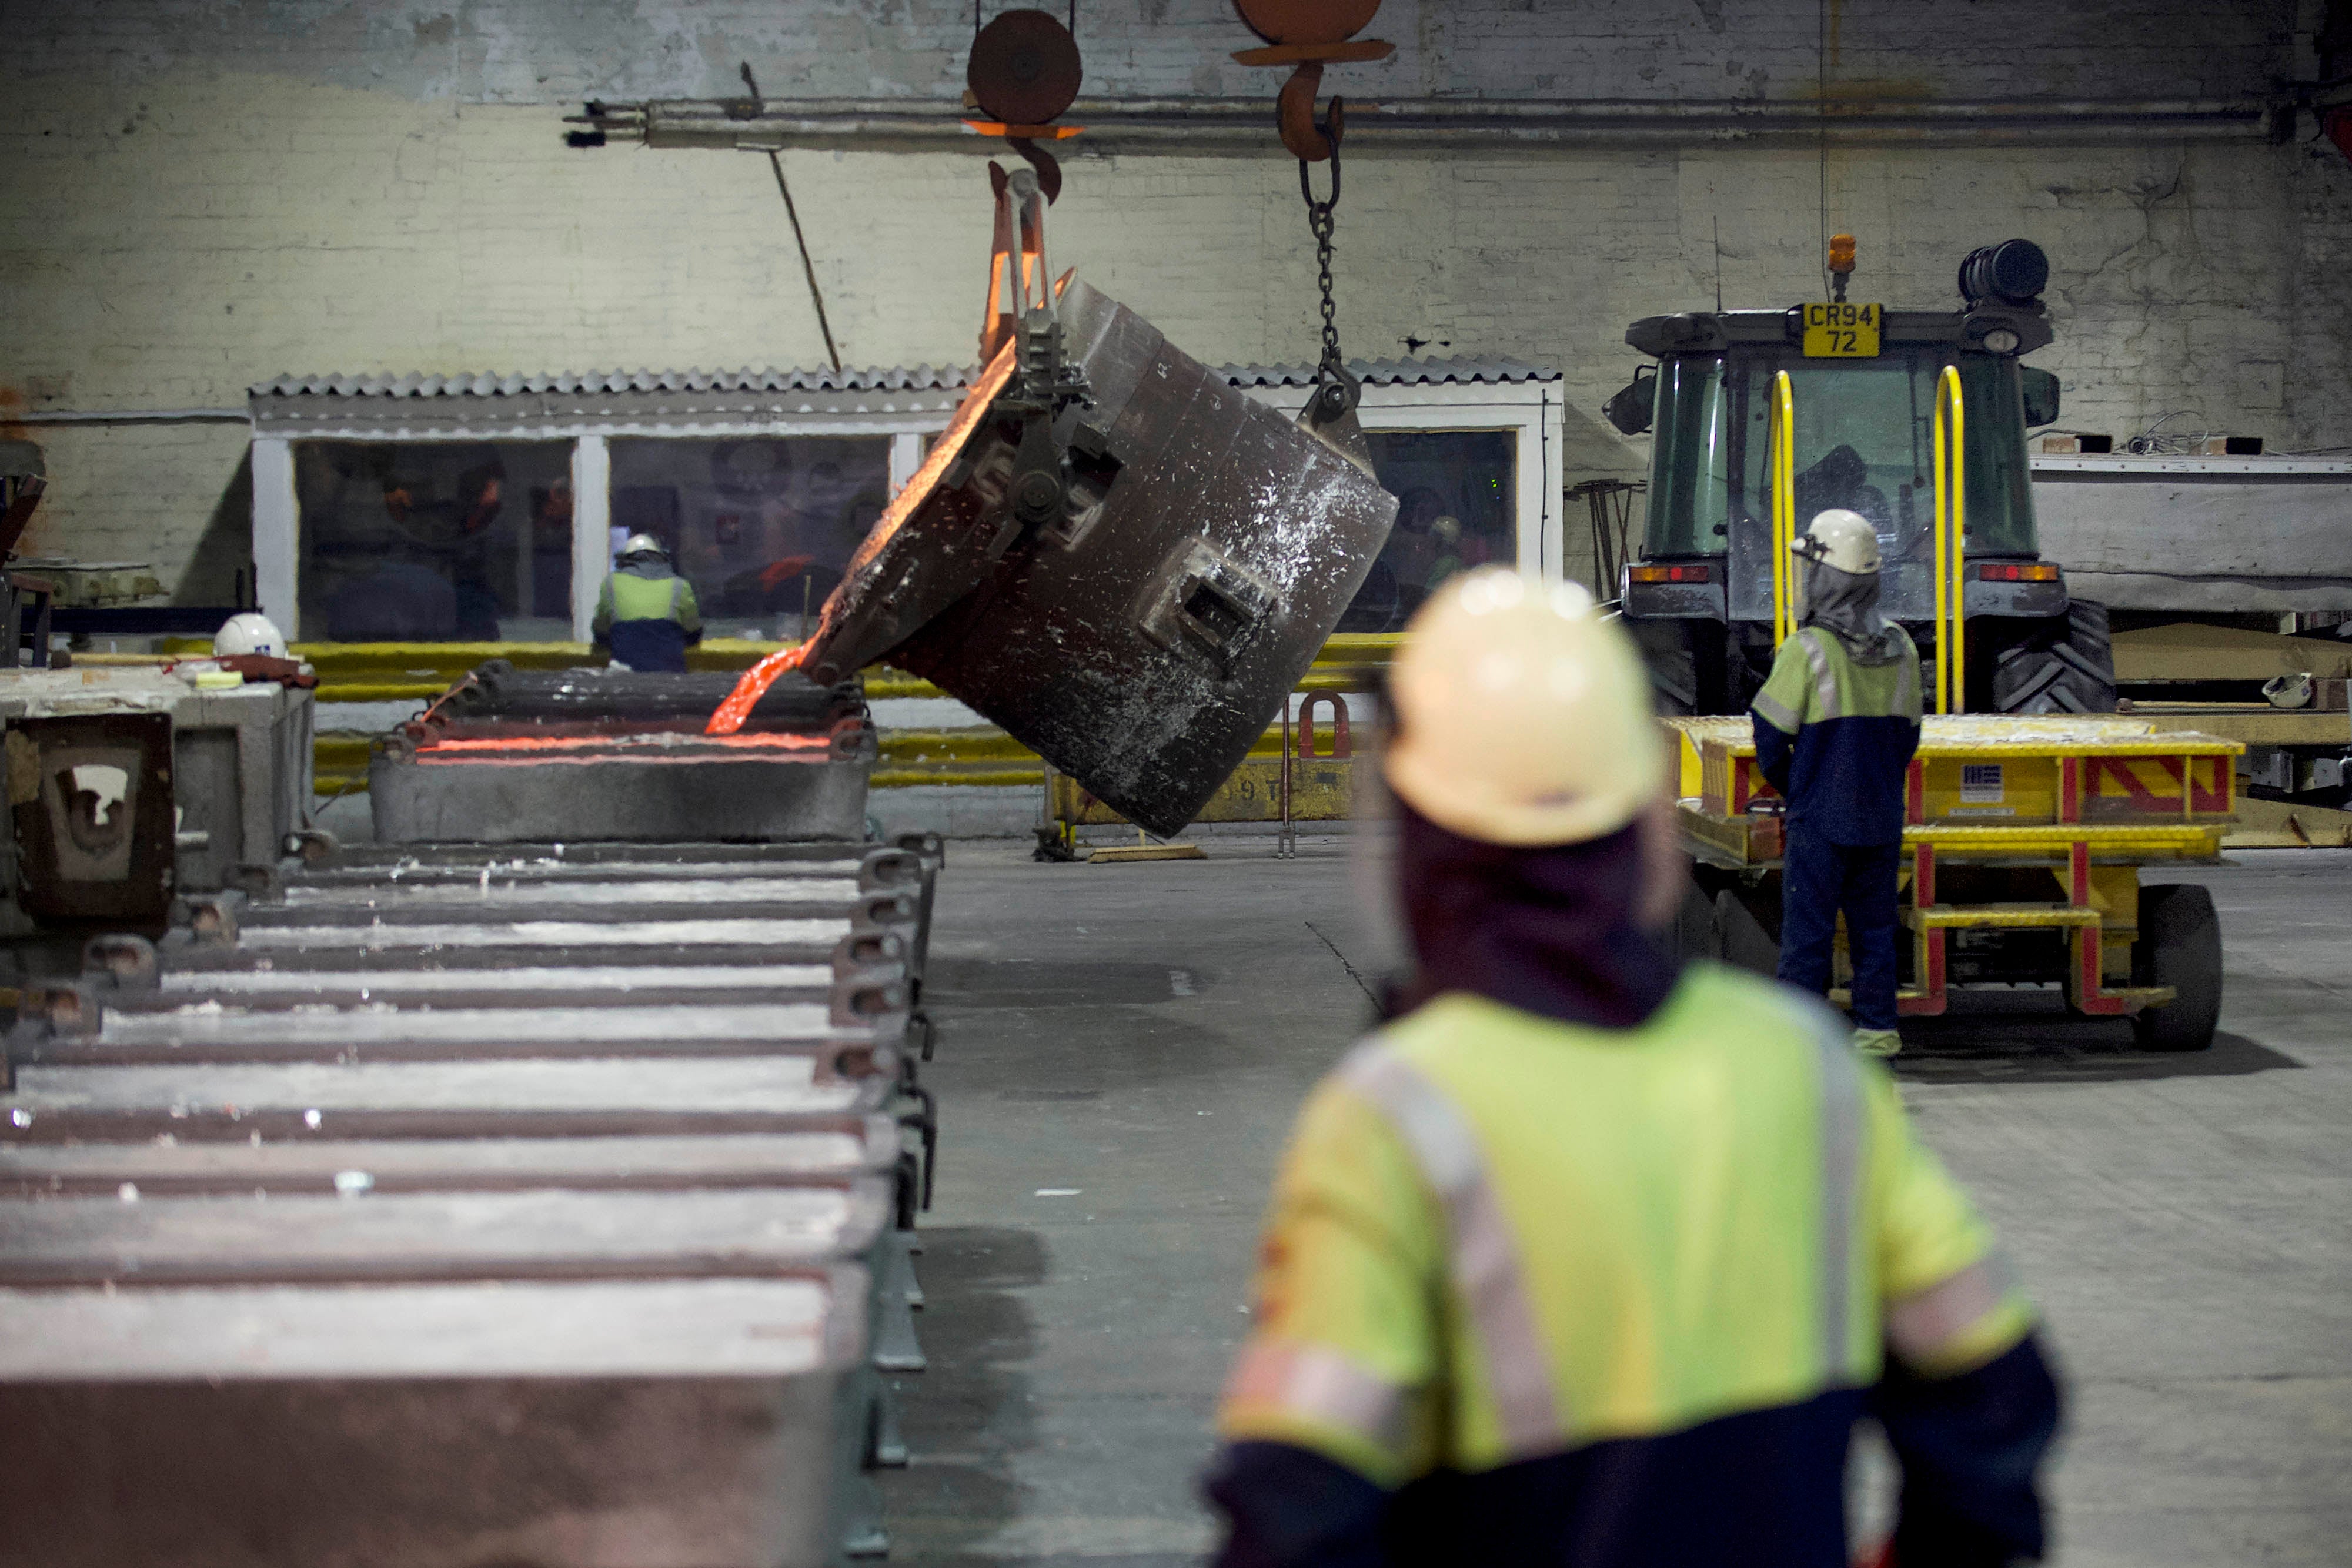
(1309, 139)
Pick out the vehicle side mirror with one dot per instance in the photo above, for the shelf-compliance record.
(1630, 410)
(2040, 390)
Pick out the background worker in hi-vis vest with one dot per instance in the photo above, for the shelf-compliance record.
(1593, 1259)
(645, 612)
(1836, 724)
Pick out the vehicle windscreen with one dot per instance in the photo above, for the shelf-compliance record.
(1865, 442)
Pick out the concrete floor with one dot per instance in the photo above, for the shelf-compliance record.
(1123, 1049)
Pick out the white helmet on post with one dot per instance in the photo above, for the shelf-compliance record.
(1840, 539)
(249, 633)
(1523, 718)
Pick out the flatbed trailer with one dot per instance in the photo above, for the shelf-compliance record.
(2022, 847)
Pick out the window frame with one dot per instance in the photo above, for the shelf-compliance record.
(1532, 411)
(905, 417)
(1529, 406)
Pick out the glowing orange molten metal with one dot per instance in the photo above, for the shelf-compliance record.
(644, 742)
(729, 715)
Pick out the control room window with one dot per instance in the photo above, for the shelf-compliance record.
(761, 525)
(434, 541)
(1456, 508)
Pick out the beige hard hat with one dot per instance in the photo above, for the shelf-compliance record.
(1840, 539)
(1523, 717)
(640, 546)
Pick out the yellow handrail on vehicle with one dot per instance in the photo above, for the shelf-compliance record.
(1951, 532)
(1781, 454)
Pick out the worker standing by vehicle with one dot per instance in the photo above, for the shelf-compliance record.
(1589, 1259)
(1836, 724)
(645, 612)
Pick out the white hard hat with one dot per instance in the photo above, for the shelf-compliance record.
(1840, 539)
(642, 544)
(1523, 718)
(249, 633)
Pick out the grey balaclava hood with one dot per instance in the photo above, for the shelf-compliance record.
(1845, 605)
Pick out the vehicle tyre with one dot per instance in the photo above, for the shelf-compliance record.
(1743, 939)
(1685, 660)
(2179, 945)
(2062, 666)
(1695, 937)
(1671, 652)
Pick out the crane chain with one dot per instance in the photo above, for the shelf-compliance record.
(1320, 223)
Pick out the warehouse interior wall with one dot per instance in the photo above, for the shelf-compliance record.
(198, 195)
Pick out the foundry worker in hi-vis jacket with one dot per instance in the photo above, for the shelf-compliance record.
(1593, 1259)
(645, 611)
(1836, 724)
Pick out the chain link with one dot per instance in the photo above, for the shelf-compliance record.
(1321, 223)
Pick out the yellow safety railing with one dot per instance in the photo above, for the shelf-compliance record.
(1780, 452)
(1951, 532)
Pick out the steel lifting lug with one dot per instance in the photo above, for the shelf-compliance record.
(1039, 475)
(1045, 383)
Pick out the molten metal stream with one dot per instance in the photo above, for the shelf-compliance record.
(729, 715)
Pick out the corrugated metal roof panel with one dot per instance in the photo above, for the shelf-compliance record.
(1458, 369)
(896, 378)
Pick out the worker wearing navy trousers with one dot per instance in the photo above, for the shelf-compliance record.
(1836, 725)
(1593, 1259)
(645, 612)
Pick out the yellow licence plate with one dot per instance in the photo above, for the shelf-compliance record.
(1842, 331)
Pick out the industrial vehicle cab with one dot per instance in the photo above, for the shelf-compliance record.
(1864, 385)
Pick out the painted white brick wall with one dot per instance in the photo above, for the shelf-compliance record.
(539, 51)
(191, 202)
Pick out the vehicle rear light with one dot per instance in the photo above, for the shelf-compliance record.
(1669, 574)
(2017, 572)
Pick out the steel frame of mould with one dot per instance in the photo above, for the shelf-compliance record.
(1229, 124)
(734, 1109)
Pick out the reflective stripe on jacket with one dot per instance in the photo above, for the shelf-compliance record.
(1497, 1236)
(1836, 736)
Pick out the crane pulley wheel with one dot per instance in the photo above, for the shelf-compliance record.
(1305, 20)
(1024, 69)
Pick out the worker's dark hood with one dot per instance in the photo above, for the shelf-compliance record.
(651, 567)
(1845, 605)
(1547, 930)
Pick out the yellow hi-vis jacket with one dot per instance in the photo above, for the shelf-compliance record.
(627, 596)
(1498, 1237)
